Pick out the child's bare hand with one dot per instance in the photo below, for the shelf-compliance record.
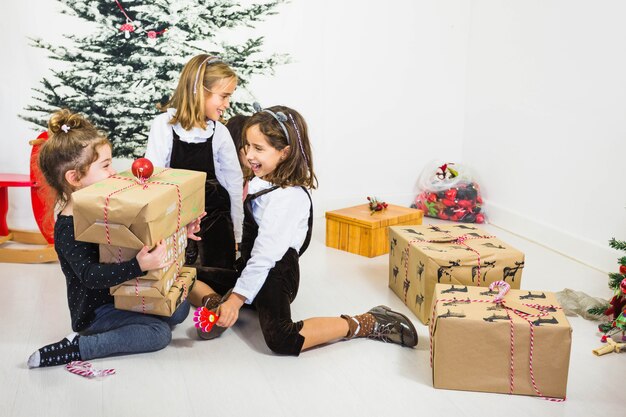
(229, 310)
(194, 227)
(155, 259)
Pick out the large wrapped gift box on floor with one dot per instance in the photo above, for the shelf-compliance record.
(160, 306)
(357, 230)
(157, 282)
(422, 256)
(121, 211)
(474, 348)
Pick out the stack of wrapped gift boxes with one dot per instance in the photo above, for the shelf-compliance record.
(124, 214)
(519, 344)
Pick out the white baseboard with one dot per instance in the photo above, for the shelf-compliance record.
(597, 255)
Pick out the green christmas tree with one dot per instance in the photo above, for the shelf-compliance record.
(132, 60)
(613, 312)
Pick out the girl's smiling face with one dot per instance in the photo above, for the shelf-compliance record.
(261, 155)
(101, 169)
(218, 98)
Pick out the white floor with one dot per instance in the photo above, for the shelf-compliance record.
(236, 375)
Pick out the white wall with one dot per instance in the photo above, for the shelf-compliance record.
(544, 121)
(357, 66)
(529, 93)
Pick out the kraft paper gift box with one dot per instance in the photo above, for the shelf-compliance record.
(472, 347)
(175, 250)
(422, 256)
(160, 306)
(121, 211)
(357, 230)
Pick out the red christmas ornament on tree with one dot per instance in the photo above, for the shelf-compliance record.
(127, 28)
(142, 168)
(622, 286)
(622, 269)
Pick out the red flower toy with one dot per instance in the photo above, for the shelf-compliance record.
(142, 168)
(204, 319)
(376, 205)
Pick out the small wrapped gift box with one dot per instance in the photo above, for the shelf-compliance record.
(357, 230)
(160, 306)
(123, 211)
(175, 250)
(422, 256)
(519, 346)
(150, 287)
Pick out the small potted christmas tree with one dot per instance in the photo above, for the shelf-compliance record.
(614, 312)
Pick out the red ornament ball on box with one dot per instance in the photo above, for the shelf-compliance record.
(142, 168)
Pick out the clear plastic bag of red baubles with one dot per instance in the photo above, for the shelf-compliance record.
(449, 191)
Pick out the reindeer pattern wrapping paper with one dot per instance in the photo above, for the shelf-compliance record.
(479, 345)
(459, 254)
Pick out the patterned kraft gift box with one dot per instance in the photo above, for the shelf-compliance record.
(357, 230)
(160, 306)
(155, 283)
(122, 212)
(472, 342)
(423, 256)
(151, 287)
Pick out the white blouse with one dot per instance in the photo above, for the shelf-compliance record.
(282, 216)
(225, 158)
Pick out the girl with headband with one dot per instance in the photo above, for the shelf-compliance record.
(278, 220)
(190, 135)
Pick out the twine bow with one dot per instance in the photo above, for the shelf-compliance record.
(543, 310)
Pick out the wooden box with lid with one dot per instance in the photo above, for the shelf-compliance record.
(356, 230)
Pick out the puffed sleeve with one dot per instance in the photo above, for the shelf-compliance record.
(277, 232)
(159, 149)
(228, 173)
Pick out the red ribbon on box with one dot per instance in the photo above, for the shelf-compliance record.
(456, 240)
(499, 299)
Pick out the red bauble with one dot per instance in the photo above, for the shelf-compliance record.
(622, 269)
(142, 168)
(480, 218)
(622, 286)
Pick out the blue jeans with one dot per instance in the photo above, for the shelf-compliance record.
(118, 332)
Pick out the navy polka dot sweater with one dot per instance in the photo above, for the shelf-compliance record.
(88, 280)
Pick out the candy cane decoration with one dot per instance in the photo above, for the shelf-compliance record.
(87, 370)
(504, 288)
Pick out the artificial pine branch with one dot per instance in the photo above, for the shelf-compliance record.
(617, 244)
(117, 82)
(598, 311)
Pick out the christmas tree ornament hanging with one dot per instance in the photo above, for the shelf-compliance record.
(127, 28)
(622, 269)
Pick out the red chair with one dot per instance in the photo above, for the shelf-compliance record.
(44, 252)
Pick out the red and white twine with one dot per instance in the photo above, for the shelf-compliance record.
(460, 240)
(86, 369)
(499, 299)
(144, 182)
